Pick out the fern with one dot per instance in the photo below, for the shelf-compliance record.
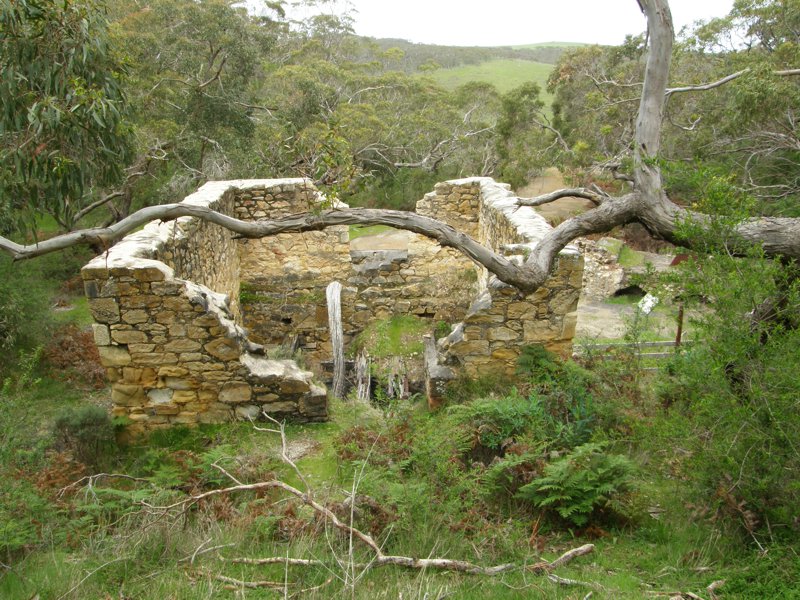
(581, 484)
(495, 421)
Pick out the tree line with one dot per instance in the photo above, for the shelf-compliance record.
(109, 106)
(112, 106)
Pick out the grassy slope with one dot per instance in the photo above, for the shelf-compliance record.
(503, 74)
(667, 554)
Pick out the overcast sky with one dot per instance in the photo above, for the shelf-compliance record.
(509, 22)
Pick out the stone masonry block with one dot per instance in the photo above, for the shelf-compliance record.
(102, 337)
(104, 310)
(114, 356)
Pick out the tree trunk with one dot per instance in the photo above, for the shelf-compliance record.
(648, 204)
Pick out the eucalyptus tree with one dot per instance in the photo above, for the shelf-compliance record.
(193, 68)
(757, 50)
(732, 102)
(647, 203)
(62, 128)
(526, 141)
(342, 115)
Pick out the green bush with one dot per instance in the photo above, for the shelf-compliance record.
(464, 389)
(87, 432)
(565, 389)
(24, 513)
(495, 422)
(23, 306)
(733, 399)
(585, 485)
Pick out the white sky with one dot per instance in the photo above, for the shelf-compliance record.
(509, 22)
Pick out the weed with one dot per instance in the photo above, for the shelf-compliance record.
(463, 389)
(87, 432)
(399, 335)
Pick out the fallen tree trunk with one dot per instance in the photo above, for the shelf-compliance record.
(647, 204)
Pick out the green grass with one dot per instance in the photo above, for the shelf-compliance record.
(674, 552)
(400, 335)
(77, 313)
(628, 257)
(504, 74)
(357, 231)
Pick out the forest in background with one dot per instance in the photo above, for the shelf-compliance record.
(683, 479)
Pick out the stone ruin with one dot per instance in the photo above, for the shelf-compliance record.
(184, 311)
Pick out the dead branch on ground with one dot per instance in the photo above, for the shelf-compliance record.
(379, 558)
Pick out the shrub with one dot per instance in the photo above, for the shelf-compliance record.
(87, 432)
(464, 389)
(582, 486)
(24, 513)
(495, 422)
(566, 394)
(74, 356)
(735, 395)
(23, 306)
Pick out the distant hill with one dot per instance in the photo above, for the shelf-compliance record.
(551, 45)
(447, 57)
(504, 74)
(506, 67)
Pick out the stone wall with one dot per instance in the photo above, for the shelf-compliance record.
(173, 349)
(284, 279)
(456, 203)
(199, 251)
(182, 309)
(501, 320)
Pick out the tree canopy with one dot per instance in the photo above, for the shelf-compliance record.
(236, 94)
(62, 125)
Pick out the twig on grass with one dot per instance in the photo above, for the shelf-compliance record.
(200, 550)
(89, 574)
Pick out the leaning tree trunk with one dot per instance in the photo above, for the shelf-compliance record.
(647, 204)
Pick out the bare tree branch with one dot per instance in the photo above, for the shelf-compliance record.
(379, 559)
(720, 82)
(581, 192)
(215, 76)
(648, 204)
(139, 168)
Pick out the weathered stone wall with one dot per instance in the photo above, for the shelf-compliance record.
(423, 279)
(501, 320)
(456, 203)
(201, 252)
(284, 276)
(171, 303)
(293, 258)
(172, 348)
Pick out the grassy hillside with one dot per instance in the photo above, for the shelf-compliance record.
(504, 74)
(447, 57)
(550, 45)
